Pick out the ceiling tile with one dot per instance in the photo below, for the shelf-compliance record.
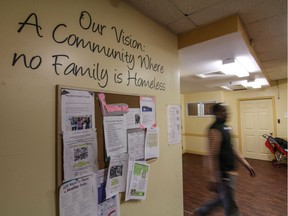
(266, 28)
(161, 11)
(182, 25)
(271, 48)
(275, 62)
(277, 75)
(276, 70)
(262, 9)
(192, 6)
(216, 12)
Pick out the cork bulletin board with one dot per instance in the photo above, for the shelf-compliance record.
(132, 101)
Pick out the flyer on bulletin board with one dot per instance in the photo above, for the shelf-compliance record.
(77, 110)
(106, 206)
(117, 174)
(77, 197)
(152, 149)
(79, 153)
(115, 135)
(136, 143)
(137, 180)
(147, 112)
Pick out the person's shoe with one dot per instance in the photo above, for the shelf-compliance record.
(197, 212)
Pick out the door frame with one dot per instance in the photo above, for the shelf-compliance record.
(239, 117)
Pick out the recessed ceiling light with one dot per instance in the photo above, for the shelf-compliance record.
(231, 66)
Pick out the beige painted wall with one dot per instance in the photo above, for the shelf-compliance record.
(27, 156)
(195, 127)
(194, 133)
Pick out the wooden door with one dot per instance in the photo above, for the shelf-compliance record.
(256, 120)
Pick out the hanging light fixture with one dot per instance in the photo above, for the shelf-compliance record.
(231, 66)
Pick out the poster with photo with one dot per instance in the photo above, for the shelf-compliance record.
(133, 118)
(137, 180)
(117, 174)
(77, 110)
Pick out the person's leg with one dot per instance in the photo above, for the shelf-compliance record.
(233, 195)
(227, 196)
(207, 207)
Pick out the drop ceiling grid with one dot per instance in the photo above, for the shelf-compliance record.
(263, 9)
(182, 25)
(265, 21)
(161, 11)
(267, 28)
(190, 7)
(271, 48)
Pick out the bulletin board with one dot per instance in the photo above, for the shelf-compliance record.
(132, 101)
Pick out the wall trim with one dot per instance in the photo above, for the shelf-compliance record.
(194, 152)
(205, 135)
(194, 135)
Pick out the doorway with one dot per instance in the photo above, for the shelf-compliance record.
(257, 118)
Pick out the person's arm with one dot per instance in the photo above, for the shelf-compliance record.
(244, 163)
(214, 144)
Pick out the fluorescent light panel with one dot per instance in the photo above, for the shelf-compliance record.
(257, 83)
(231, 66)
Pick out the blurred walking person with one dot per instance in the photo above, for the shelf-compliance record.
(221, 166)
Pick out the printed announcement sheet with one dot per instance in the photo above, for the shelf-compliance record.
(115, 134)
(147, 112)
(174, 124)
(77, 198)
(136, 142)
(77, 110)
(117, 174)
(152, 143)
(106, 206)
(79, 153)
(133, 118)
(137, 180)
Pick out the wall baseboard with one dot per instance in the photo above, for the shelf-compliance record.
(193, 152)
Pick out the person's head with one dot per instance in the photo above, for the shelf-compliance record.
(220, 112)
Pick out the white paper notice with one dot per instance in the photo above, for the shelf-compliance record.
(115, 135)
(76, 197)
(136, 143)
(138, 181)
(147, 109)
(117, 174)
(77, 109)
(110, 206)
(79, 153)
(133, 118)
(174, 124)
(128, 180)
(152, 143)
